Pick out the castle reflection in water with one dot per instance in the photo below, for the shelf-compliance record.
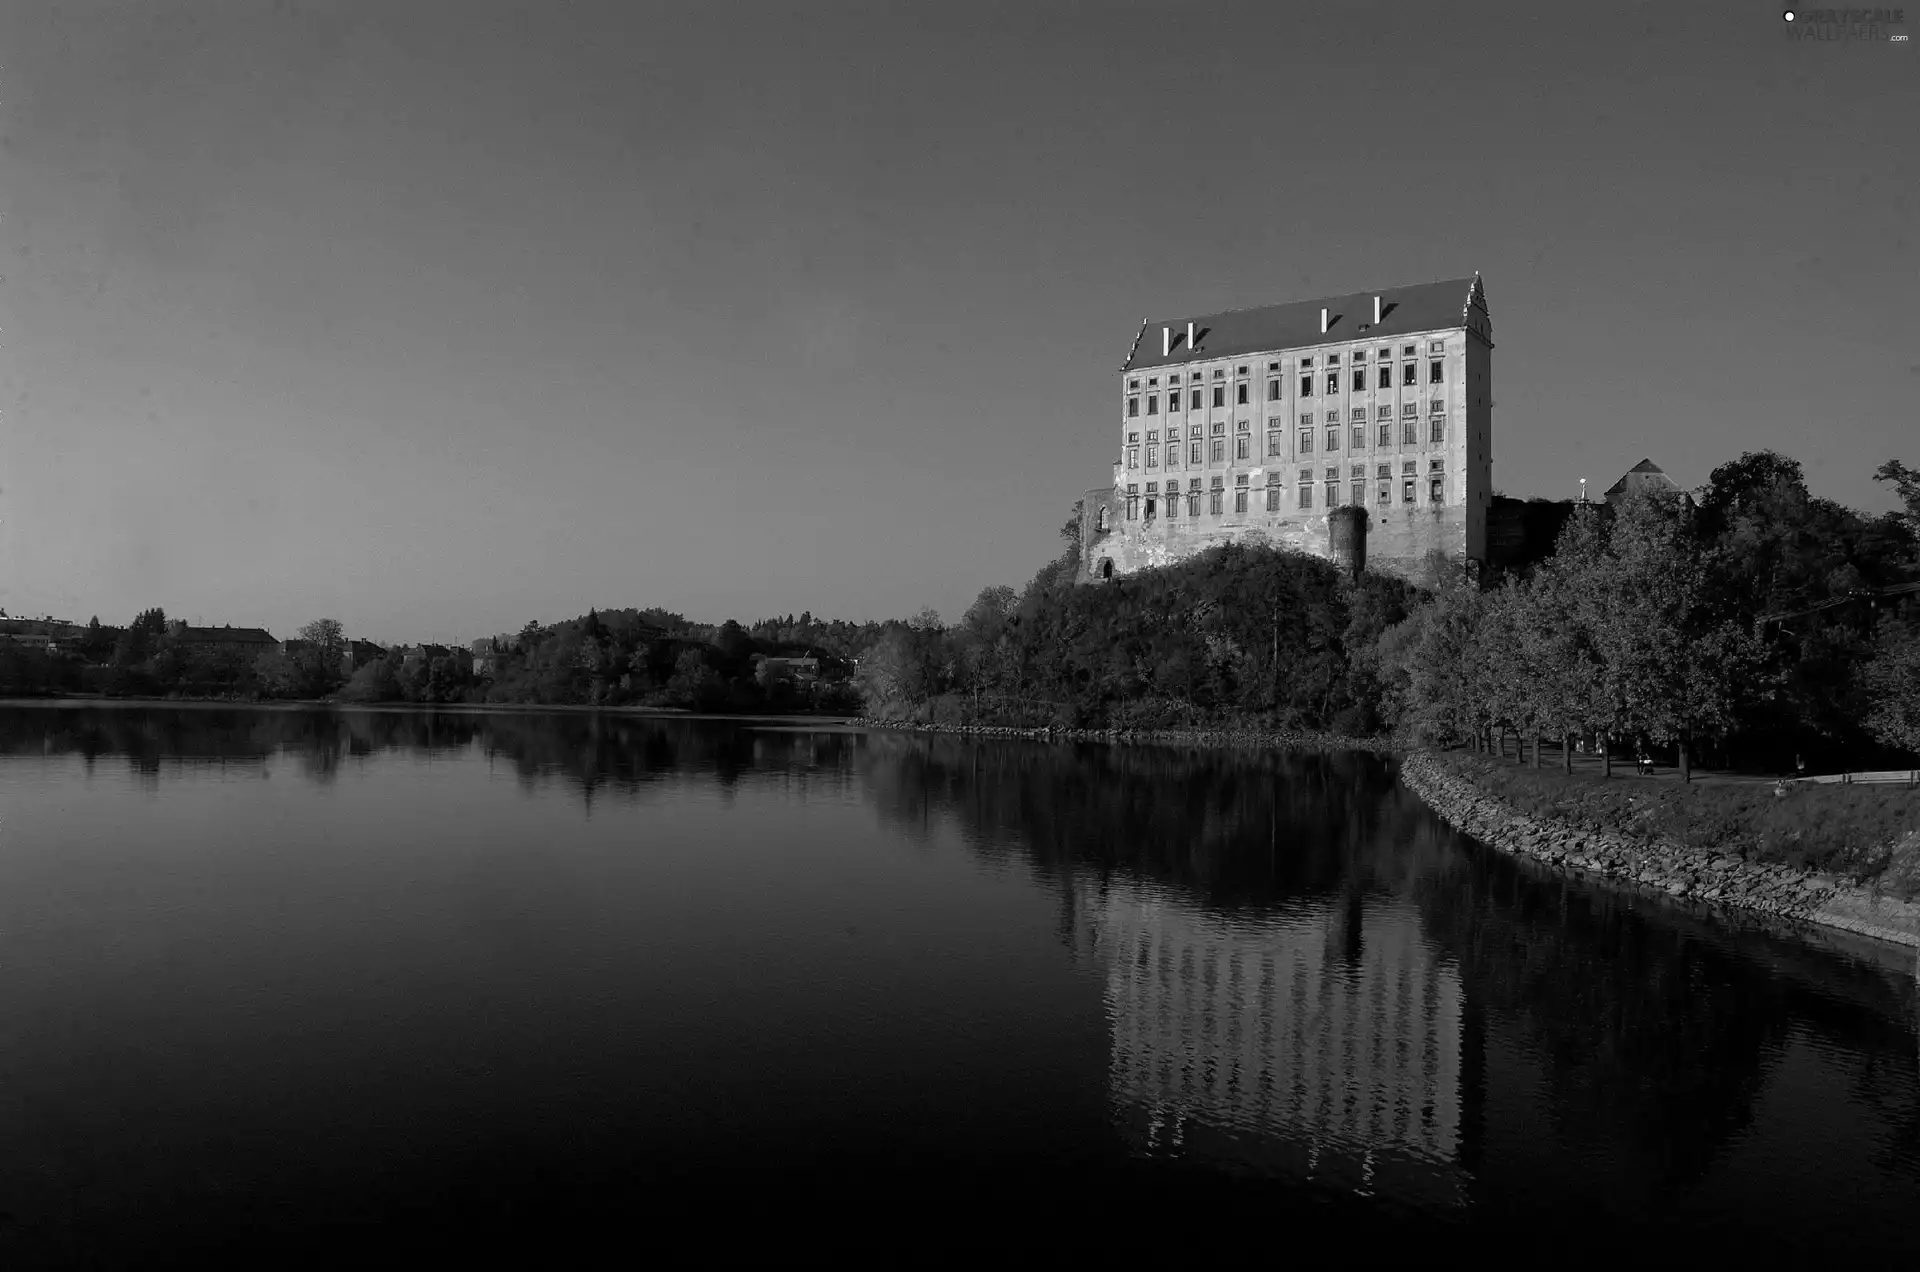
(1292, 1044)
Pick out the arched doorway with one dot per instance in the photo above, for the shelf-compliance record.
(1106, 568)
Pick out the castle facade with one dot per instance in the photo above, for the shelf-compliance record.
(1354, 427)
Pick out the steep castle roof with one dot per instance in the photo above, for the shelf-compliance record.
(1296, 324)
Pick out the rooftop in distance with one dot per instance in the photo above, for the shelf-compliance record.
(1400, 311)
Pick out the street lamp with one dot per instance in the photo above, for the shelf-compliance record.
(1583, 490)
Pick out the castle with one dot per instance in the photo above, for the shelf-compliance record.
(1354, 427)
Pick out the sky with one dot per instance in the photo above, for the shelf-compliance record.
(437, 317)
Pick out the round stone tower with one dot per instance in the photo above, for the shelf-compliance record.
(1347, 538)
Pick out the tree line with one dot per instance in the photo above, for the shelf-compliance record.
(1748, 617)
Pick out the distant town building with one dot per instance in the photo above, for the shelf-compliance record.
(1358, 427)
(803, 669)
(256, 640)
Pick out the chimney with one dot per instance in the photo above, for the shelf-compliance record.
(1166, 341)
(1323, 322)
(1376, 311)
(1189, 337)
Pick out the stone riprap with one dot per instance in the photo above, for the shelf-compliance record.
(1722, 878)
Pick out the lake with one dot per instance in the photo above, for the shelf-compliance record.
(277, 980)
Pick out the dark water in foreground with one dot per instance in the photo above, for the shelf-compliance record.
(276, 981)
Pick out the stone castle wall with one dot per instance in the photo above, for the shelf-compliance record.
(1400, 540)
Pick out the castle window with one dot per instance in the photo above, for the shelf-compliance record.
(1153, 404)
(1173, 379)
(1242, 426)
(1219, 375)
(1219, 395)
(1437, 429)
(1409, 372)
(1273, 497)
(1306, 441)
(1219, 450)
(1406, 492)
(1436, 490)
(1240, 394)
(1215, 496)
(1133, 408)
(1306, 386)
(1173, 454)
(1333, 494)
(1386, 435)
(1195, 404)
(1359, 439)
(1306, 493)
(1133, 386)
(1151, 505)
(1273, 366)
(1406, 468)
(1358, 415)
(1193, 429)
(1359, 379)
(1409, 408)
(1133, 457)
(1436, 465)
(1409, 430)
(1306, 419)
(1383, 412)
(1153, 381)
(1240, 371)
(1153, 457)
(1273, 441)
(1273, 390)
(1133, 503)
(1358, 495)
(1173, 500)
(1436, 372)
(1359, 355)
(1436, 346)
(1133, 437)
(1386, 376)
(1219, 427)
(1333, 359)
(1385, 494)
(1333, 417)
(1153, 434)
(1437, 405)
(1305, 363)
(1333, 439)
(1101, 522)
(1240, 501)
(1333, 383)
(1406, 351)
(1193, 453)
(1383, 354)
(1193, 497)
(1240, 447)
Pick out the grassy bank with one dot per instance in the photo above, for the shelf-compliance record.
(1870, 834)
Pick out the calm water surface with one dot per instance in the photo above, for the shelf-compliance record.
(291, 977)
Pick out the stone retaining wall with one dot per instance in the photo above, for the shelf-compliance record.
(1723, 878)
(1271, 739)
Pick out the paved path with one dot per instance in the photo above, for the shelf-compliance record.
(1623, 770)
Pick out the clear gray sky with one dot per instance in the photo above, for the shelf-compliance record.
(439, 316)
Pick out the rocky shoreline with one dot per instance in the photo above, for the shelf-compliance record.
(1276, 739)
(1777, 890)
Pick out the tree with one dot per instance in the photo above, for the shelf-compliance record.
(1892, 682)
(1679, 671)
